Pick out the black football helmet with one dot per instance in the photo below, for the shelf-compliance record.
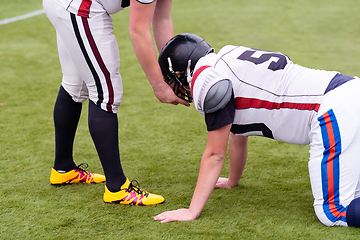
(177, 60)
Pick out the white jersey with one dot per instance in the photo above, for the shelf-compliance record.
(87, 8)
(274, 97)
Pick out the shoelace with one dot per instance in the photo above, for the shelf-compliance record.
(81, 167)
(135, 186)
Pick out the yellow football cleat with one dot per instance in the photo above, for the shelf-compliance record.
(131, 194)
(75, 176)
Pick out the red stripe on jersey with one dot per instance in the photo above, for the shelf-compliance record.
(196, 74)
(101, 63)
(84, 8)
(245, 103)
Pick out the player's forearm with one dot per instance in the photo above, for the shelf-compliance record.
(140, 19)
(145, 52)
(210, 170)
(162, 24)
(238, 157)
(163, 32)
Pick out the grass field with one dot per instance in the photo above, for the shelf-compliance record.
(161, 145)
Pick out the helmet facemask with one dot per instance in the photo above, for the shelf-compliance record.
(180, 82)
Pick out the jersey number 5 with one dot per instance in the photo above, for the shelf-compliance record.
(264, 57)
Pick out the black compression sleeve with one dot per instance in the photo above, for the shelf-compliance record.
(222, 117)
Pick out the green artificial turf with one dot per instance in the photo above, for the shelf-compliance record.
(161, 145)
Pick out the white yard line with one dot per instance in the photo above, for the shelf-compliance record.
(25, 16)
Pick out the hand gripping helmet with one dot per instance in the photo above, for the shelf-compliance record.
(177, 60)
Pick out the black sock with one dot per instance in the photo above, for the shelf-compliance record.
(66, 118)
(353, 213)
(104, 129)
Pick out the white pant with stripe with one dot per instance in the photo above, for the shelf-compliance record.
(89, 56)
(334, 164)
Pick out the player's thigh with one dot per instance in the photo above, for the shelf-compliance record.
(348, 117)
(71, 81)
(332, 182)
(69, 55)
(101, 46)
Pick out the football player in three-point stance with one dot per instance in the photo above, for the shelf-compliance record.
(90, 64)
(244, 91)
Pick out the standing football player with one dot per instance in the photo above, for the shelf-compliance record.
(244, 91)
(90, 62)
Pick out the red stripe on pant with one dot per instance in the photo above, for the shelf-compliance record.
(101, 64)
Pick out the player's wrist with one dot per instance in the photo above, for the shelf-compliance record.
(232, 182)
(193, 214)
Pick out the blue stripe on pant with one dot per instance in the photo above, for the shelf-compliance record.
(330, 167)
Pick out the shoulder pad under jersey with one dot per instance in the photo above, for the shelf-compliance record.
(218, 96)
